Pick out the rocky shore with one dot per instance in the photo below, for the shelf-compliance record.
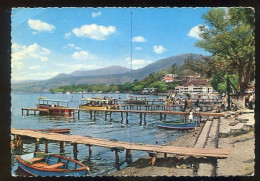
(235, 130)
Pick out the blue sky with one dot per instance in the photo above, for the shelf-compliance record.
(49, 41)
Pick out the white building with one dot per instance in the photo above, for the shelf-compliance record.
(148, 90)
(193, 89)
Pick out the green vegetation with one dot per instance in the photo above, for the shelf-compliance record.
(229, 37)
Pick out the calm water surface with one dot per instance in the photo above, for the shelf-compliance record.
(102, 160)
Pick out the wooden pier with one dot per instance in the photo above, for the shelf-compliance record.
(113, 145)
(142, 114)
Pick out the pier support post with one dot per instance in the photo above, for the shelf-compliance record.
(37, 140)
(27, 112)
(153, 157)
(144, 119)
(62, 147)
(122, 119)
(90, 114)
(89, 150)
(160, 116)
(165, 155)
(105, 115)
(95, 115)
(126, 119)
(110, 116)
(45, 145)
(128, 155)
(75, 150)
(164, 117)
(22, 112)
(78, 113)
(141, 118)
(117, 150)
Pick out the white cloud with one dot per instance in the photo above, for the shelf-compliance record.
(159, 49)
(138, 63)
(138, 39)
(21, 53)
(138, 48)
(71, 45)
(96, 14)
(83, 55)
(73, 67)
(195, 31)
(94, 31)
(40, 26)
(34, 67)
(67, 35)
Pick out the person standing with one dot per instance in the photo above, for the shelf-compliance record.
(251, 99)
(190, 115)
(168, 103)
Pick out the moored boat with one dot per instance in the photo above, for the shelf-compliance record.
(52, 130)
(176, 125)
(42, 164)
(55, 107)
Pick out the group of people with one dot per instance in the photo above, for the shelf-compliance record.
(171, 100)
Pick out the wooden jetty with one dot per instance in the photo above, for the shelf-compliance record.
(113, 145)
(142, 114)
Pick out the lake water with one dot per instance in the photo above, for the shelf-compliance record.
(102, 160)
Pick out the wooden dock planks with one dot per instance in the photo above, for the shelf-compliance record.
(200, 152)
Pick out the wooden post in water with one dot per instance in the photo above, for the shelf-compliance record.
(117, 156)
(164, 117)
(27, 112)
(34, 112)
(75, 150)
(110, 115)
(95, 115)
(122, 118)
(90, 114)
(62, 146)
(37, 140)
(46, 145)
(89, 150)
(141, 119)
(144, 119)
(78, 113)
(126, 119)
(128, 155)
(165, 155)
(22, 112)
(105, 115)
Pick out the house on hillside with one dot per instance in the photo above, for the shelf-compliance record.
(169, 78)
(148, 90)
(201, 82)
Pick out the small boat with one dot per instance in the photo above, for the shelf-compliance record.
(99, 104)
(43, 164)
(54, 107)
(55, 130)
(176, 125)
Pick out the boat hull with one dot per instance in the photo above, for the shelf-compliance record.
(95, 107)
(176, 126)
(42, 168)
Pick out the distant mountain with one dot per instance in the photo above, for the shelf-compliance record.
(107, 76)
(111, 70)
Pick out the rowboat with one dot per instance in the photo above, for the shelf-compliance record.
(176, 125)
(42, 164)
(55, 130)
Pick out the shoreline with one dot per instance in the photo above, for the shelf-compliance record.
(240, 161)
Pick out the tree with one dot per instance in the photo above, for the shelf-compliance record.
(229, 36)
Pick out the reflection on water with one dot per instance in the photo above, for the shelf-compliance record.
(102, 160)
